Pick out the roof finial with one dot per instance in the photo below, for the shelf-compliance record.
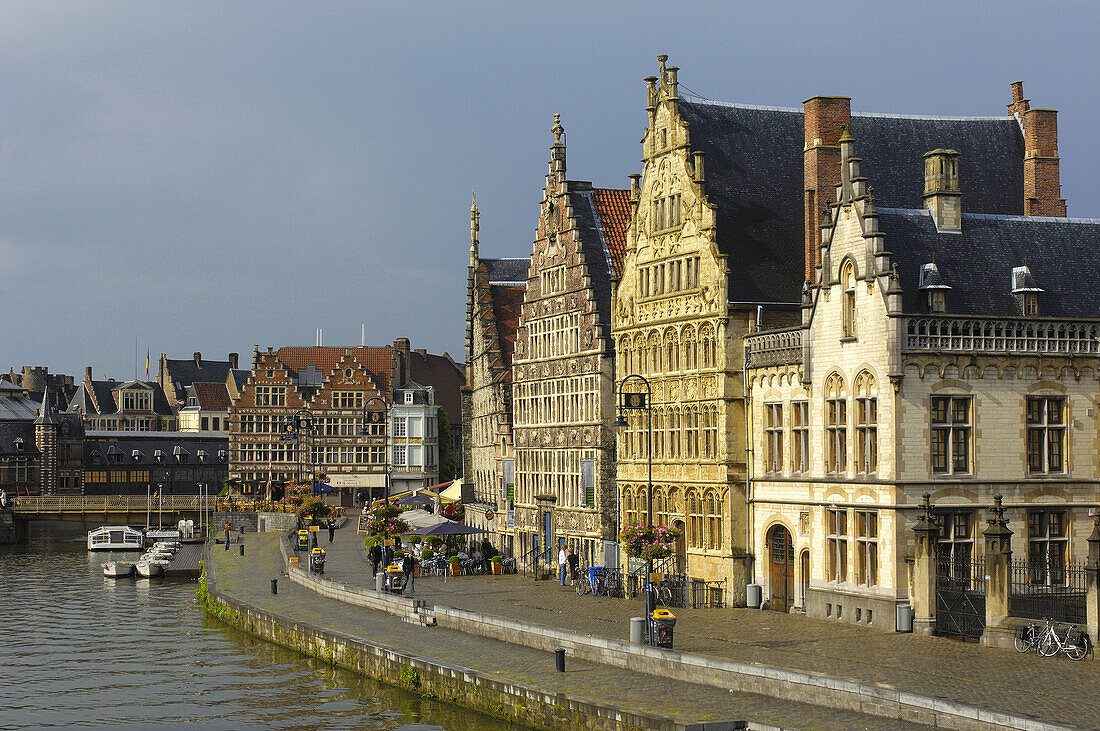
(475, 226)
(557, 129)
(846, 133)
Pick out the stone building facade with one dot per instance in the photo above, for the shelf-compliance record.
(703, 256)
(563, 370)
(494, 296)
(944, 350)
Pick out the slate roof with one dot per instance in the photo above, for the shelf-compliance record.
(12, 430)
(212, 396)
(17, 408)
(509, 271)
(613, 214)
(185, 372)
(754, 174)
(240, 377)
(124, 444)
(507, 305)
(978, 263)
(104, 401)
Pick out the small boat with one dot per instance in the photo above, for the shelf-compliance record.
(118, 569)
(114, 538)
(156, 556)
(149, 569)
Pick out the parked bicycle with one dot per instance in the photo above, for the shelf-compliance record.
(662, 593)
(1075, 644)
(1027, 638)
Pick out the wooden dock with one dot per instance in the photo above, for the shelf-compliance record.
(185, 564)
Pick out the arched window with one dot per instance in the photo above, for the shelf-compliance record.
(866, 395)
(836, 425)
(687, 348)
(660, 507)
(674, 432)
(714, 520)
(654, 353)
(848, 284)
(706, 356)
(691, 431)
(695, 520)
(672, 352)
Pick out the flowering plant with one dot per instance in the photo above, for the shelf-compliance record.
(650, 543)
(300, 499)
(383, 520)
(454, 511)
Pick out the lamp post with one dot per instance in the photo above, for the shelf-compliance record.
(296, 426)
(382, 417)
(637, 400)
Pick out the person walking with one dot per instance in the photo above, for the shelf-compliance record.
(227, 536)
(375, 556)
(574, 561)
(3, 498)
(408, 564)
(331, 529)
(563, 561)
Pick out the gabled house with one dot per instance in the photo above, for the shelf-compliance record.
(116, 406)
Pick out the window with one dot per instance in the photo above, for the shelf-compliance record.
(848, 283)
(937, 300)
(1046, 433)
(399, 456)
(714, 520)
(409, 397)
(270, 395)
(836, 425)
(956, 542)
(1031, 303)
(951, 434)
(695, 520)
(800, 436)
(773, 437)
(867, 547)
(866, 424)
(1047, 545)
(135, 400)
(205, 424)
(399, 426)
(347, 399)
(836, 544)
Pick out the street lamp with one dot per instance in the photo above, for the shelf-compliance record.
(380, 417)
(638, 400)
(296, 426)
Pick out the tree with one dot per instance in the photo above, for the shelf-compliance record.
(448, 468)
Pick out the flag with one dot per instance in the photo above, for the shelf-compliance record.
(147, 363)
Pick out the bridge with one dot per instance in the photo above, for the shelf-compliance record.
(120, 509)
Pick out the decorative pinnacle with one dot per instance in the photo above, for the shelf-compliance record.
(557, 129)
(998, 510)
(846, 134)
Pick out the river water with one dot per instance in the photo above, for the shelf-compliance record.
(82, 651)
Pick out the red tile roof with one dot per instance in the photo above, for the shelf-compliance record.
(613, 208)
(212, 396)
(377, 360)
(507, 303)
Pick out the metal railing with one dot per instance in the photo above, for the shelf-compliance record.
(1041, 590)
(54, 504)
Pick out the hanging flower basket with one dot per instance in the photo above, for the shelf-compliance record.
(454, 511)
(649, 543)
(384, 521)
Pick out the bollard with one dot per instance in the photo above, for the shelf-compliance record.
(274, 586)
(379, 581)
(637, 630)
(559, 659)
(242, 548)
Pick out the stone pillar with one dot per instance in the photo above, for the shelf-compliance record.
(923, 599)
(1092, 581)
(998, 565)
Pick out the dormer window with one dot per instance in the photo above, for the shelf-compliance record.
(1025, 291)
(1031, 303)
(192, 402)
(347, 373)
(18, 444)
(934, 287)
(136, 455)
(408, 397)
(136, 401)
(201, 455)
(223, 455)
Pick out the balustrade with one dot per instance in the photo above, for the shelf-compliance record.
(989, 335)
(777, 347)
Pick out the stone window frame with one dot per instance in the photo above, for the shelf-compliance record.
(866, 423)
(946, 428)
(800, 436)
(848, 278)
(836, 425)
(1045, 441)
(866, 540)
(836, 544)
(1048, 546)
(773, 437)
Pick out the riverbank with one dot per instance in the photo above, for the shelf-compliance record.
(499, 678)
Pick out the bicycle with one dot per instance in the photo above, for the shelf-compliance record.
(584, 586)
(1027, 638)
(1075, 644)
(662, 594)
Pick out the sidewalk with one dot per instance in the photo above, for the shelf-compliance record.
(247, 578)
(1051, 689)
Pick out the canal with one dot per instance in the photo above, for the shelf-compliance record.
(80, 650)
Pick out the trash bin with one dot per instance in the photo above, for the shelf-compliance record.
(905, 618)
(394, 578)
(663, 622)
(303, 540)
(753, 596)
(317, 560)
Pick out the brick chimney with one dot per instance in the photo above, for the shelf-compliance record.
(1042, 181)
(823, 117)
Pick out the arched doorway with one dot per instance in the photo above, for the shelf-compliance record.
(681, 547)
(781, 553)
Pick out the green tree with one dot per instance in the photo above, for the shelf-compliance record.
(448, 468)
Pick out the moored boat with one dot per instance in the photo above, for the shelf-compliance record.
(150, 568)
(118, 569)
(114, 538)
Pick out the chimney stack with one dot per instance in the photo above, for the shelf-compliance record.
(198, 359)
(1042, 179)
(941, 189)
(234, 358)
(87, 374)
(823, 117)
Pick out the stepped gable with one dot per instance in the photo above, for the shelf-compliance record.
(377, 360)
(507, 305)
(512, 271)
(596, 255)
(978, 263)
(755, 176)
(613, 214)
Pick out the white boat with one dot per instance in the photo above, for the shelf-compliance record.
(150, 569)
(114, 538)
(118, 569)
(156, 556)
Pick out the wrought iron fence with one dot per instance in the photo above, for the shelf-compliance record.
(707, 594)
(960, 598)
(1050, 589)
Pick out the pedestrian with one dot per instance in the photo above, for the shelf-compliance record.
(573, 561)
(3, 498)
(227, 536)
(408, 564)
(563, 561)
(331, 529)
(375, 556)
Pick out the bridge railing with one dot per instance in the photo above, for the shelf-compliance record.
(53, 504)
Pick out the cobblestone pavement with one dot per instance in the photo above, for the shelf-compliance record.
(1053, 689)
(248, 579)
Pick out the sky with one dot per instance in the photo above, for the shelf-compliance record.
(210, 176)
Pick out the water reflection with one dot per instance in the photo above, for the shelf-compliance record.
(81, 651)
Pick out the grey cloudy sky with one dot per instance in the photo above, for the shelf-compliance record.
(206, 176)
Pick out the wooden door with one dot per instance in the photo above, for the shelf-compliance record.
(782, 569)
